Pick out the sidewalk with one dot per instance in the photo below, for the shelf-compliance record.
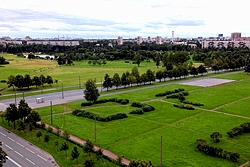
(80, 141)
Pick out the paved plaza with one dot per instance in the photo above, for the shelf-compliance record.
(206, 82)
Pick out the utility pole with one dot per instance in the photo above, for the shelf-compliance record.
(161, 152)
(51, 119)
(95, 129)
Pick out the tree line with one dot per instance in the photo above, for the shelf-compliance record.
(21, 81)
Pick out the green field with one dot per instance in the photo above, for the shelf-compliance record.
(72, 75)
(138, 136)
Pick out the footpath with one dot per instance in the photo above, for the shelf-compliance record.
(80, 141)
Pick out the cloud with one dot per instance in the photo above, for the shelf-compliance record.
(185, 22)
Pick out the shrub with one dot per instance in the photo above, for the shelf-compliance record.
(147, 108)
(126, 61)
(168, 92)
(137, 111)
(176, 95)
(238, 130)
(88, 103)
(184, 106)
(3, 81)
(124, 101)
(136, 104)
(192, 103)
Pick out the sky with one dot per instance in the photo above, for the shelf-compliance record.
(127, 18)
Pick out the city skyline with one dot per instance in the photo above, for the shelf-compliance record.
(126, 18)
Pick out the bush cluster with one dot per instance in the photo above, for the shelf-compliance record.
(138, 111)
(238, 130)
(201, 145)
(143, 108)
(192, 103)
(184, 106)
(176, 95)
(168, 92)
(3, 81)
(93, 116)
(116, 100)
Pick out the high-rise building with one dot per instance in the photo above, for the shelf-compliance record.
(158, 40)
(235, 35)
(120, 40)
(139, 40)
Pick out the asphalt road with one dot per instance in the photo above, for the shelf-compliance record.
(21, 153)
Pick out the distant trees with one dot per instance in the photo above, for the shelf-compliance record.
(20, 81)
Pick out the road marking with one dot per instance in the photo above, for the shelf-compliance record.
(11, 139)
(2, 134)
(30, 150)
(20, 144)
(30, 161)
(42, 157)
(8, 146)
(14, 162)
(19, 153)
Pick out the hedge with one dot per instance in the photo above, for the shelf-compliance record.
(184, 106)
(168, 92)
(192, 103)
(116, 100)
(93, 116)
(137, 111)
(238, 130)
(176, 95)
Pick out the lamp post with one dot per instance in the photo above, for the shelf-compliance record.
(14, 92)
(62, 89)
(79, 81)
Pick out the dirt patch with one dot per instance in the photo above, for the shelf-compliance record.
(207, 82)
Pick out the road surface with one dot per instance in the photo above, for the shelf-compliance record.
(21, 153)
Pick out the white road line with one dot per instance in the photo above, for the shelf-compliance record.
(2, 134)
(11, 139)
(19, 144)
(19, 153)
(14, 162)
(30, 161)
(8, 146)
(30, 151)
(42, 157)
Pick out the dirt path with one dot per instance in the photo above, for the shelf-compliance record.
(80, 141)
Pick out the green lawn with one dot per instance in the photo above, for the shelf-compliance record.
(138, 136)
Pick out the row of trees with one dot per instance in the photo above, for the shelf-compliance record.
(21, 81)
(127, 79)
(21, 113)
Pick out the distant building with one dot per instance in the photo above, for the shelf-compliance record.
(235, 35)
(158, 40)
(120, 40)
(139, 40)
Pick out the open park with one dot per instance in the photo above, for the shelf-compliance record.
(165, 135)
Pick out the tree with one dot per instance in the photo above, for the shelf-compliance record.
(23, 109)
(88, 147)
(3, 155)
(136, 74)
(116, 80)
(107, 82)
(31, 127)
(215, 68)
(66, 136)
(46, 138)
(56, 142)
(89, 162)
(49, 80)
(131, 80)
(138, 59)
(99, 154)
(201, 69)
(12, 114)
(27, 81)
(159, 75)
(39, 134)
(19, 81)
(151, 76)
(36, 81)
(91, 92)
(42, 79)
(33, 117)
(193, 71)
(141, 163)
(124, 81)
(21, 126)
(144, 78)
(216, 136)
(75, 154)
(11, 80)
(2, 114)
(64, 147)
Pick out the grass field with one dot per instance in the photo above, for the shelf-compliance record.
(138, 136)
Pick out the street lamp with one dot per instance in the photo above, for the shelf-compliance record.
(62, 90)
(79, 81)
(15, 92)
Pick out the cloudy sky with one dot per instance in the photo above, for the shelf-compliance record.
(126, 18)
